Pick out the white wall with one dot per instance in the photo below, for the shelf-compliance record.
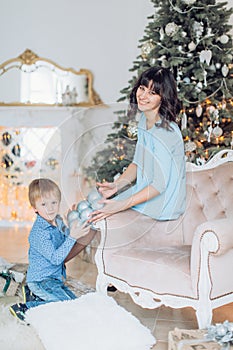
(101, 35)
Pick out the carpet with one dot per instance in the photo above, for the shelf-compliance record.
(15, 335)
(91, 322)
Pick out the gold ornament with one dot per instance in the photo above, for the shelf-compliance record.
(132, 130)
(146, 48)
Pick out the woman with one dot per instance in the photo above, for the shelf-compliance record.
(158, 166)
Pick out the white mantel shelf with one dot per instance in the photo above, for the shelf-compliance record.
(37, 116)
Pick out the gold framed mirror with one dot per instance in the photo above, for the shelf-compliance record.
(30, 80)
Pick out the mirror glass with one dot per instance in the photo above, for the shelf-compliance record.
(32, 80)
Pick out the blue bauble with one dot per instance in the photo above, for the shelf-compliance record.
(72, 216)
(96, 205)
(94, 196)
(82, 206)
(84, 215)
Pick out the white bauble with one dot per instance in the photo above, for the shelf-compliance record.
(224, 39)
(192, 46)
(218, 65)
(199, 87)
(171, 29)
(190, 146)
(217, 131)
(189, 2)
(199, 110)
(186, 80)
(225, 70)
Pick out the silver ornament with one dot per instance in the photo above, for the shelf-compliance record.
(171, 29)
(190, 146)
(199, 110)
(225, 70)
(146, 48)
(192, 46)
(96, 205)
(82, 206)
(224, 39)
(85, 214)
(217, 131)
(72, 216)
(93, 196)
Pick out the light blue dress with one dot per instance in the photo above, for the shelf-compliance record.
(160, 160)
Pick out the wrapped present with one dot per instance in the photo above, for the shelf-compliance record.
(183, 339)
(8, 286)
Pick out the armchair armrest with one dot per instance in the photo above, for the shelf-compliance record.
(222, 229)
(211, 237)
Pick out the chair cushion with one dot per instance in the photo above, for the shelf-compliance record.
(163, 270)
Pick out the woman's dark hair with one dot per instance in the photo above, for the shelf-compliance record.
(163, 83)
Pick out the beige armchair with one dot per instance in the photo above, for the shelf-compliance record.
(180, 263)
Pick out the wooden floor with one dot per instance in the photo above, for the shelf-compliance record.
(14, 246)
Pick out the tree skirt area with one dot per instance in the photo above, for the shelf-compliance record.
(91, 322)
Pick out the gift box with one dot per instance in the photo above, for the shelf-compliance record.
(183, 339)
(9, 290)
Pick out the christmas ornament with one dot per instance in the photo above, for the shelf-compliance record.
(218, 65)
(184, 121)
(190, 146)
(217, 131)
(205, 56)
(224, 39)
(93, 198)
(146, 49)
(198, 28)
(132, 129)
(199, 110)
(152, 61)
(222, 333)
(224, 70)
(85, 215)
(72, 216)
(192, 46)
(188, 2)
(161, 32)
(171, 29)
(186, 80)
(6, 138)
(82, 206)
(199, 87)
(16, 150)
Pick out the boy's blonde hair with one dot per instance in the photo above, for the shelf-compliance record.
(39, 188)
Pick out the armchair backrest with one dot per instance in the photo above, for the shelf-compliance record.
(209, 196)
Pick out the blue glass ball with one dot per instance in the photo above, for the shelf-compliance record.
(94, 196)
(72, 216)
(96, 205)
(82, 206)
(84, 215)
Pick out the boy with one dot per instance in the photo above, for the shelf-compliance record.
(52, 244)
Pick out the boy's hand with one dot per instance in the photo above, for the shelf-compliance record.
(78, 231)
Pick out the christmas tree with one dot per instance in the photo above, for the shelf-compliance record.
(191, 37)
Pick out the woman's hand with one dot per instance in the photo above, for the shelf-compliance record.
(78, 231)
(107, 189)
(110, 207)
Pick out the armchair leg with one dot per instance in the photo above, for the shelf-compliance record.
(101, 284)
(204, 316)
